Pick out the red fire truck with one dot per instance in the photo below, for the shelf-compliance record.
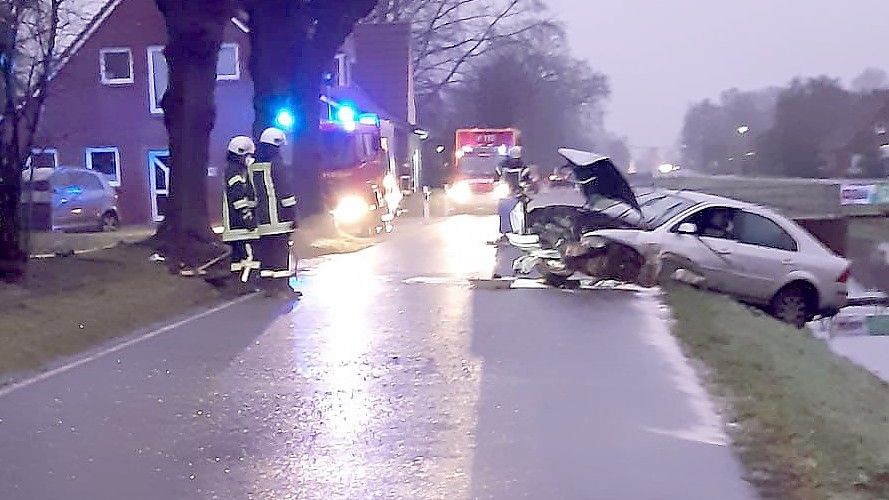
(359, 188)
(477, 154)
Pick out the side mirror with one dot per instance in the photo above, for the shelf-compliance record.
(688, 228)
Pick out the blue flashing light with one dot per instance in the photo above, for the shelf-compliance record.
(285, 119)
(346, 114)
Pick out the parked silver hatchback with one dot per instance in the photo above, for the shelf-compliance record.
(79, 199)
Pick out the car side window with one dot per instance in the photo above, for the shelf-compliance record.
(713, 222)
(60, 180)
(757, 230)
(89, 182)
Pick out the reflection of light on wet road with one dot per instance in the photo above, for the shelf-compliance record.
(349, 326)
(368, 388)
(464, 240)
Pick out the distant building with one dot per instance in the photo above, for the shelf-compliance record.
(103, 106)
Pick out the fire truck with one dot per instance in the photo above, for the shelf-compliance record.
(359, 187)
(473, 181)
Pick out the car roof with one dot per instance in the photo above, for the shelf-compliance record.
(701, 198)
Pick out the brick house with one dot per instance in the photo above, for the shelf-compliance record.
(103, 106)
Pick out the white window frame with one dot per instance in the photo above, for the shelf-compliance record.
(154, 107)
(237, 75)
(43, 151)
(115, 81)
(153, 192)
(106, 149)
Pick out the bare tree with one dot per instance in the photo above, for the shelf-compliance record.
(34, 35)
(449, 34)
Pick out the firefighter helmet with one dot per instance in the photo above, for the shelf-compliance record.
(273, 136)
(515, 152)
(241, 145)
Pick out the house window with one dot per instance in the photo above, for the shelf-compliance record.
(228, 65)
(116, 66)
(106, 161)
(157, 78)
(43, 158)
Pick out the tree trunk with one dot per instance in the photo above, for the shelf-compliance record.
(195, 30)
(13, 258)
(290, 42)
(306, 152)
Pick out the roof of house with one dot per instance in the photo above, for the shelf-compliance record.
(80, 19)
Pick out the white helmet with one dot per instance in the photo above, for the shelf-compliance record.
(242, 145)
(273, 136)
(515, 152)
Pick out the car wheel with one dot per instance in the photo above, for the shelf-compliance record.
(792, 305)
(667, 269)
(109, 223)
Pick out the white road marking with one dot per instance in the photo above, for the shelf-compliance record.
(9, 389)
(707, 426)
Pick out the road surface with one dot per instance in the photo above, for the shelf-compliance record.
(392, 379)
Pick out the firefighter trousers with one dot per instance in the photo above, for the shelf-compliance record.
(276, 266)
(244, 261)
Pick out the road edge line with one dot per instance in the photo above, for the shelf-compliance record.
(15, 386)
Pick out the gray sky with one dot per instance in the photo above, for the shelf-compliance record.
(661, 55)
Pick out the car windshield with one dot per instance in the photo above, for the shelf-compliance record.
(338, 150)
(658, 209)
(479, 165)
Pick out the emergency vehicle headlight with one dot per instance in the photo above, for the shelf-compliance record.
(350, 209)
(501, 190)
(460, 192)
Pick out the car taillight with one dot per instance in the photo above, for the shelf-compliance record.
(843, 278)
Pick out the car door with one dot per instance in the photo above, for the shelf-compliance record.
(708, 251)
(80, 196)
(93, 199)
(763, 255)
(64, 194)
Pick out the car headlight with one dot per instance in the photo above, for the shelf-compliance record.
(501, 190)
(350, 209)
(460, 192)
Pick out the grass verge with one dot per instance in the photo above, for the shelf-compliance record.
(811, 425)
(67, 305)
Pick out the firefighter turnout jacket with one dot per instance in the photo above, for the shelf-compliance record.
(239, 203)
(276, 203)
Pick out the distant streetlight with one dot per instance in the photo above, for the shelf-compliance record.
(743, 129)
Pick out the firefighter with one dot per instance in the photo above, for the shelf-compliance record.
(275, 214)
(514, 173)
(239, 202)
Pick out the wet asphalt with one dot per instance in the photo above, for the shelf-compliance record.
(394, 378)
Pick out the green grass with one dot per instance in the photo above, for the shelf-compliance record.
(812, 425)
(67, 305)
